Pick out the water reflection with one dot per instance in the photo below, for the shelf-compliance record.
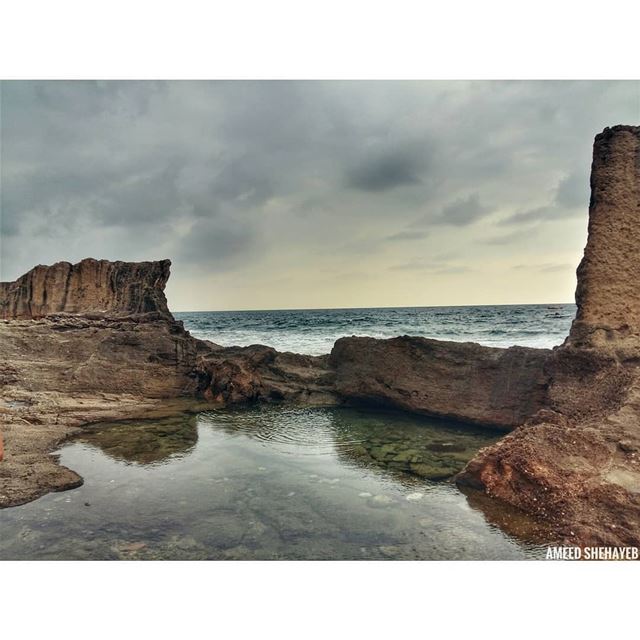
(144, 442)
(513, 522)
(392, 441)
(267, 483)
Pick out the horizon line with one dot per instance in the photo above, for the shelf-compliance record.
(435, 306)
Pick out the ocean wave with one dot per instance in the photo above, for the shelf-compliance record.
(314, 331)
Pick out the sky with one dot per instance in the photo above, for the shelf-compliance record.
(309, 194)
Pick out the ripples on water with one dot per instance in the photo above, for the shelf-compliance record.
(269, 483)
(314, 331)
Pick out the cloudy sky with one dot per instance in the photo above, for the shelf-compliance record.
(309, 194)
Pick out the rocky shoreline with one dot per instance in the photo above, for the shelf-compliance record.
(95, 341)
(63, 371)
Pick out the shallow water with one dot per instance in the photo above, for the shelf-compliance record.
(269, 483)
(313, 331)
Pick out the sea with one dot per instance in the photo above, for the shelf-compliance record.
(314, 331)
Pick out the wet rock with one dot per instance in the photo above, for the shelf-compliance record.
(432, 472)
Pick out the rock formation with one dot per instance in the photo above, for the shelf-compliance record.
(257, 373)
(89, 287)
(96, 341)
(61, 371)
(607, 294)
(455, 380)
(576, 463)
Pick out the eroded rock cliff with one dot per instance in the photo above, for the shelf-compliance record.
(88, 287)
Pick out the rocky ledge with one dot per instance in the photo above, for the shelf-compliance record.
(95, 341)
(454, 380)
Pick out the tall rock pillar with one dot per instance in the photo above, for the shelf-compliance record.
(608, 291)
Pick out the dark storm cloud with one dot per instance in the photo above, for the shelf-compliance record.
(215, 243)
(231, 174)
(573, 191)
(571, 200)
(542, 214)
(459, 213)
(534, 215)
(387, 171)
(463, 211)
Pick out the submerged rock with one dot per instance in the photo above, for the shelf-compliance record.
(145, 442)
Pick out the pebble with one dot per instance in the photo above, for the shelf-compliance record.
(414, 496)
(364, 494)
